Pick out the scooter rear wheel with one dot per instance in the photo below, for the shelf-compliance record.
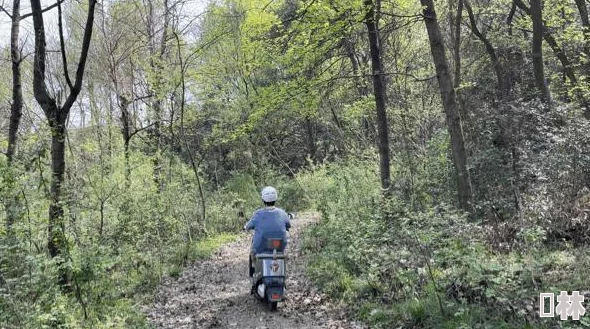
(273, 306)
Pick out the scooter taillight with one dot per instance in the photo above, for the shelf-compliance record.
(276, 244)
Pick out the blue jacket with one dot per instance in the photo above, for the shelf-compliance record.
(268, 222)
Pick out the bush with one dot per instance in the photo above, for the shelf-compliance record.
(395, 266)
(123, 237)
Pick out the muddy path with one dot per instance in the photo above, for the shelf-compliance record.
(215, 293)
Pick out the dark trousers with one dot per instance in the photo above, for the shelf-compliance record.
(251, 256)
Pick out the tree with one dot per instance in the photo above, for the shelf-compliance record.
(559, 53)
(157, 52)
(119, 47)
(56, 117)
(16, 108)
(498, 70)
(537, 48)
(13, 206)
(450, 106)
(379, 91)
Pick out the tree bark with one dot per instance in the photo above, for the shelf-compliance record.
(379, 92)
(126, 131)
(157, 160)
(537, 48)
(57, 117)
(16, 108)
(457, 43)
(311, 146)
(456, 26)
(56, 237)
(13, 204)
(510, 18)
(453, 118)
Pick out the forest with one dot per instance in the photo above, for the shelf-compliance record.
(444, 147)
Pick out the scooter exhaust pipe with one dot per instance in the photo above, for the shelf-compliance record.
(261, 290)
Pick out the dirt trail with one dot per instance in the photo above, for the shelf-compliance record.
(215, 293)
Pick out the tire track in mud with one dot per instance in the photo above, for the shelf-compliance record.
(215, 293)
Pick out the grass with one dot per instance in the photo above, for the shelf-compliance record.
(192, 252)
(206, 247)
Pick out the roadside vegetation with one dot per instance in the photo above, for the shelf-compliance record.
(418, 262)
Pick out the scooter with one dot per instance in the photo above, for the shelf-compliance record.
(268, 280)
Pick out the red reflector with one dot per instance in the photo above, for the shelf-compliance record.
(275, 296)
(276, 243)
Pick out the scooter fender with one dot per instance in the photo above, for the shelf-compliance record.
(274, 294)
(274, 281)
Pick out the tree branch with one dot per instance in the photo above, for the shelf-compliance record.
(489, 47)
(139, 98)
(43, 10)
(135, 132)
(510, 17)
(5, 11)
(42, 96)
(83, 56)
(415, 78)
(63, 46)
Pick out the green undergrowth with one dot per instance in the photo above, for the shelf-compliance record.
(429, 266)
(123, 238)
(199, 250)
(112, 285)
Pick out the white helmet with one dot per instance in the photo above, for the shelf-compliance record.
(269, 194)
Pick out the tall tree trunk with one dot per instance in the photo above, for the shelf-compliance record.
(158, 69)
(510, 18)
(16, 108)
(537, 47)
(456, 26)
(379, 91)
(157, 160)
(126, 131)
(457, 43)
(453, 118)
(13, 205)
(56, 236)
(311, 146)
(56, 117)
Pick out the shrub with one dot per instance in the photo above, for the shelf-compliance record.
(395, 266)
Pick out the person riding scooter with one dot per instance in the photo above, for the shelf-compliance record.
(268, 223)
